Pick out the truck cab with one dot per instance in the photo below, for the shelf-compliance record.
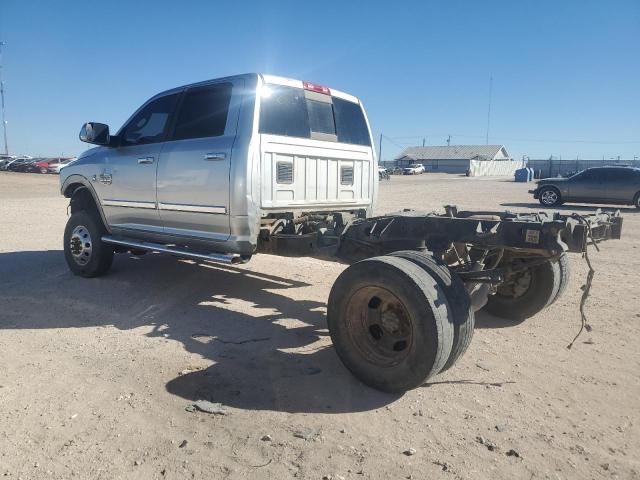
(203, 165)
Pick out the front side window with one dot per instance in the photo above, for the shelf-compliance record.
(150, 123)
(203, 112)
(588, 175)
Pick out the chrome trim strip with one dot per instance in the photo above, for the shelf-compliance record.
(127, 204)
(176, 207)
(229, 258)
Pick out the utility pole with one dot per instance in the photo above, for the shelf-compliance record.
(449, 141)
(380, 150)
(423, 140)
(4, 120)
(489, 109)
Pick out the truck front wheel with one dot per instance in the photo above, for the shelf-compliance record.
(390, 323)
(84, 250)
(528, 291)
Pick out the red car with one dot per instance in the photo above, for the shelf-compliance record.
(42, 166)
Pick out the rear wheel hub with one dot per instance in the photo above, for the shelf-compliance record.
(379, 325)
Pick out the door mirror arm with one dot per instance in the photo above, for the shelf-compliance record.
(114, 141)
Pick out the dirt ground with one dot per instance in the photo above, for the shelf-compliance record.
(95, 374)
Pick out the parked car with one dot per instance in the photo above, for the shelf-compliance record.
(414, 169)
(613, 185)
(5, 161)
(19, 165)
(42, 166)
(383, 173)
(57, 165)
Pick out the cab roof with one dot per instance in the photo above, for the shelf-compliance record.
(267, 79)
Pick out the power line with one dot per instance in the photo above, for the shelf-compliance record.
(518, 139)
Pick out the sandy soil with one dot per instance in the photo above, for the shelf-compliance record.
(95, 374)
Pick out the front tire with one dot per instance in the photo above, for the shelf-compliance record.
(550, 197)
(86, 254)
(636, 201)
(390, 323)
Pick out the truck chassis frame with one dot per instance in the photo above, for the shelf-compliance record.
(403, 309)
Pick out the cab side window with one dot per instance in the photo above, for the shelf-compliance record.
(589, 175)
(149, 124)
(203, 112)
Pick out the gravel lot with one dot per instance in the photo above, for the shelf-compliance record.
(95, 374)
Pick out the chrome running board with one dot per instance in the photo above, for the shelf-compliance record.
(177, 251)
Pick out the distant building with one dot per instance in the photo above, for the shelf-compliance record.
(453, 158)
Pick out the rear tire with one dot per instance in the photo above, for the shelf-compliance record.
(636, 200)
(550, 197)
(457, 298)
(528, 293)
(84, 250)
(390, 323)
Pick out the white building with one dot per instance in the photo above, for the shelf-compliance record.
(473, 159)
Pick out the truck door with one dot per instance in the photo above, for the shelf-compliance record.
(126, 181)
(193, 171)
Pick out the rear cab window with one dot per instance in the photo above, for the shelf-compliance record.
(297, 112)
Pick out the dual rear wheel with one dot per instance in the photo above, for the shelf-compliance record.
(397, 320)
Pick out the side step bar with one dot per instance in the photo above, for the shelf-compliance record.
(230, 258)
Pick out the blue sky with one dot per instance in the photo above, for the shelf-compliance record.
(566, 74)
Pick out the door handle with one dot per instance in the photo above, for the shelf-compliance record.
(145, 160)
(215, 156)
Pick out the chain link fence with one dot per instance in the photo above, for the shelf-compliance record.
(562, 168)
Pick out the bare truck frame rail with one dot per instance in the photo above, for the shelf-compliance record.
(404, 308)
(538, 233)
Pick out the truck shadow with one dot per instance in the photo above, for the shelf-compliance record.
(270, 350)
(572, 208)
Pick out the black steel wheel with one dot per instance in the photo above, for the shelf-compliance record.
(526, 292)
(457, 299)
(84, 250)
(390, 323)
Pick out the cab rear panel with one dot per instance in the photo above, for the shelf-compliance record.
(315, 149)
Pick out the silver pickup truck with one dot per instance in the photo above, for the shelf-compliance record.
(221, 170)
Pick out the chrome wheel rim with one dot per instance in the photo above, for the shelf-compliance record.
(80, 245)
(549, 197)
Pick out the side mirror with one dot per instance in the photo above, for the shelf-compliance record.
(96, 133)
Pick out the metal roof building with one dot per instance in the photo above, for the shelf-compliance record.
(451, 158)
